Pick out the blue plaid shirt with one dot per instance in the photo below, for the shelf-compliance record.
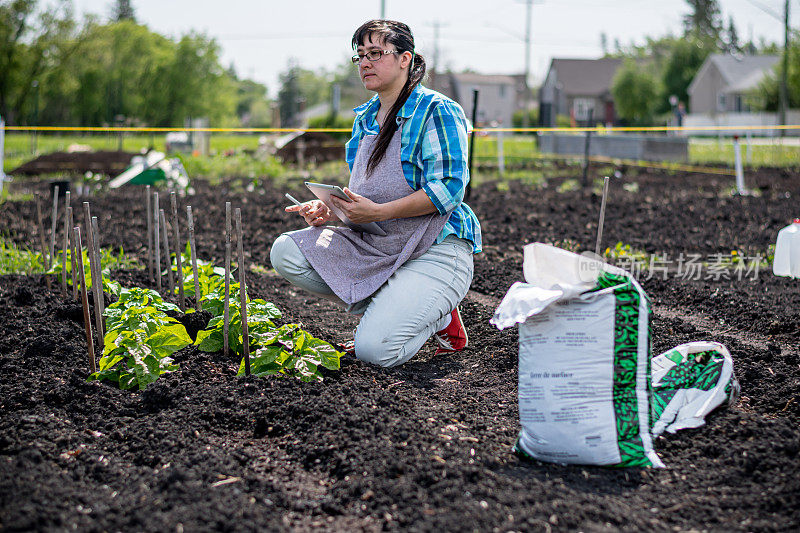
(433, 154)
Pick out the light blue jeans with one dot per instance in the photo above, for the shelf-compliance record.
(406, 311)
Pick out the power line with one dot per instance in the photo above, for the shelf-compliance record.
(436, 26)
(766, 9)
(272, 36)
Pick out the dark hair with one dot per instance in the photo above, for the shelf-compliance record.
(398, 34)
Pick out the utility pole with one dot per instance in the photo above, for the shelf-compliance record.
(436, 70)
(784, 93)
(383, 9)
(436, 26)
(528, 10)
(2, 151)
(35, 136)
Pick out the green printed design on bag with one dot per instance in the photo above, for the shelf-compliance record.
(651, 412)
(701, 371)
(626, 357)
(661, 400)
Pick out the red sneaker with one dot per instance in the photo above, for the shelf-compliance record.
(348, 347)
(453, 338)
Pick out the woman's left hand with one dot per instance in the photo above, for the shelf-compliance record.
(360, 210)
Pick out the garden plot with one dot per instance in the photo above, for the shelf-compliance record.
(427, 445)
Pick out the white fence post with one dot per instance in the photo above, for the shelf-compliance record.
(749, 149)
(501, 158)
(737, 152)
(2, 152)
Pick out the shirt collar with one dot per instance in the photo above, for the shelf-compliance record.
(411, 103)
(367, 111)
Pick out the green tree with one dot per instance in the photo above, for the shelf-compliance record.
(125, 70)
(250, 94)
(300, 88)
(123, 10)
(681, 66)
(766, 96)
(55, 72)
(732, 37)
(31, 41)
(197, 85)
(119, 73)
(352, 88)
(635, 92)
(704, 21)
(259, 115)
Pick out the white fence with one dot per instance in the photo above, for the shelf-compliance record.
(703, 120)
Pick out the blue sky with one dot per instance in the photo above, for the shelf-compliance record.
(259, 37)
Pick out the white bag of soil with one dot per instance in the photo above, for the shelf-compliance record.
(690, 381)
(584, 360)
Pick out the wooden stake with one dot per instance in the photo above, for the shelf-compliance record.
(64, 249)
(242, 293)
(98, 263)
(602, 218)
(76, 283)
(178, 256)
(87, 233)
(227, 305)
(42, 244)
(97, 284)
(157, 247)
(192, 247)
(167, 258)
(85, 300)
(53, 225)
(74, 260)
(149, 218)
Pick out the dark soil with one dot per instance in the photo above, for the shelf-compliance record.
(109, 163)
(316, 147)
(423, 447)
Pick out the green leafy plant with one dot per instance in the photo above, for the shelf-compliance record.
(140, 339)
(108, 262)
(260, 315)
(209, 278)
(624, 251)
(285, 350)
(16, 260)
(568, 185)
(291, 351)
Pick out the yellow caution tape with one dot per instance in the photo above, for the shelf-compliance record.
(595, 129)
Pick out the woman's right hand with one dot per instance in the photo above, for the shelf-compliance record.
(315, 212)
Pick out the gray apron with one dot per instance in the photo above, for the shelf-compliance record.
(353, 264)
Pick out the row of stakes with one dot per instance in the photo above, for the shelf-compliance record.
(157, 233)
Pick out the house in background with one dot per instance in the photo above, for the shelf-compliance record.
(573, 87)
(724, 81)
(718, 95)
(498, 95)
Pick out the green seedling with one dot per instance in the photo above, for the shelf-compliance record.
(16, 260)
(140, 339)
(260, 316)
(290, 351)
(286, 350)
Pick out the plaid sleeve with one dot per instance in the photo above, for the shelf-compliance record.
(444, 156)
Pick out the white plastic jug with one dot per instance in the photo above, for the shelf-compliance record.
(787, 251)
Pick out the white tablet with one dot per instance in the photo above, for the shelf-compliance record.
(324, 193)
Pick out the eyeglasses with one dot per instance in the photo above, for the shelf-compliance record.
(372, 55)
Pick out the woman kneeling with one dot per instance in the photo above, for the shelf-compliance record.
(408, 173)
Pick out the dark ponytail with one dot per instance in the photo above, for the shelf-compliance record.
(398, 34)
